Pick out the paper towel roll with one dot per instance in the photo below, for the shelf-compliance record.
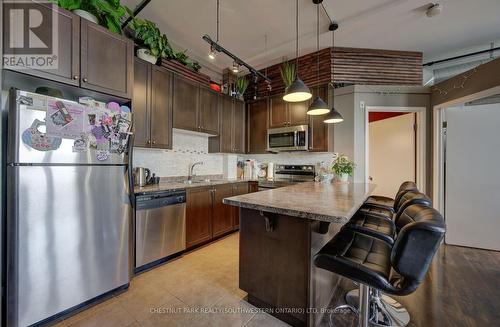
(270, 170)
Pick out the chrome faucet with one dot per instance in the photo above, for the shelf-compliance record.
(191, 167)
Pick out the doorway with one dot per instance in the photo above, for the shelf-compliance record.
(395, 147)
(471, 176)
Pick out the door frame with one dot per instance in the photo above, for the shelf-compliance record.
(438, 186)
(421, 140)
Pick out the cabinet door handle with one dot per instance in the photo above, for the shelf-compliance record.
(85, 80)
(154, 142)
(75, 77)
(148, 142)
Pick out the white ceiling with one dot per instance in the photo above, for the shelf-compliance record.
(380, 24)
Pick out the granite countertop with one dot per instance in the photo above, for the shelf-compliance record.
(330, 202)
(164, 186)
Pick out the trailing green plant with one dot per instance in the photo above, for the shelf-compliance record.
(241, 84)
(194, 65)
(110, 13)
(288, 72)
(148, 35)
(342, 165)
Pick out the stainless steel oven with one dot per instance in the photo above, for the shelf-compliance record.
(292, 138)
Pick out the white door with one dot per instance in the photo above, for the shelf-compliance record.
(392, 153)
(472, 180)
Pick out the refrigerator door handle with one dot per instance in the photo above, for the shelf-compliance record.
(130, 151)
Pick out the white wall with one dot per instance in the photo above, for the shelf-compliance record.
(187, 148)
(392, 153)
(473, 176)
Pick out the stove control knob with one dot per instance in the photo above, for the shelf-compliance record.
(304, 168)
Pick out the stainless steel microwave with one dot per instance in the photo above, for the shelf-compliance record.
(292, 138)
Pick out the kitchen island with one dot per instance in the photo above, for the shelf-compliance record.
(280, 232)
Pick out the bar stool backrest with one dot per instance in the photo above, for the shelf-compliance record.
(416, 245)
(408, 199)
(405, 187)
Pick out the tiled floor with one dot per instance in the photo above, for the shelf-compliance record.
(198, 289)
(201, 289)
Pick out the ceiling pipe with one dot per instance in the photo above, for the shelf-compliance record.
(460, 57)
(217, 47)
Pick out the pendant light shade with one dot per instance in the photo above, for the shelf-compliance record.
(298, 90)
(333, 117)
(318, 107)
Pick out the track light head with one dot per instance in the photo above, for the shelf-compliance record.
(333, 26)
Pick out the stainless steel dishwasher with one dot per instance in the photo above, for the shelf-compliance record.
(160, 227)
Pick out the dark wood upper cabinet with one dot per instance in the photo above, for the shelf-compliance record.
(320, 139)
(222, 214)
(161, 108)
(141, 103)
(198, 216)
(239, 127)
(208, 115)
(232, 120)
(297, 113)
(185, 104)
(106, 60)
(257, 126)
(278, 116)
(68, 44)
(282, 113)
(226, 122)
(152, 106)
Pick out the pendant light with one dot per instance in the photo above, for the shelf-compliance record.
(333, 116)
(297, 91)
(318, 106)
(212, 53)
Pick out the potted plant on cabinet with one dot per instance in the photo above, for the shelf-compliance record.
(108, 13)
(241, 86)
(288, 72)
(343, 167)
(152, 43)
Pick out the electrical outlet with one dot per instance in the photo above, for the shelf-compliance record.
(361, 104)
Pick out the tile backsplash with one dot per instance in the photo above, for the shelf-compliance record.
(188, 148)
(291, 158)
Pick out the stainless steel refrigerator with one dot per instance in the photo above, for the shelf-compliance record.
(68, 221)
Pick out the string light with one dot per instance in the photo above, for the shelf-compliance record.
(464, 79)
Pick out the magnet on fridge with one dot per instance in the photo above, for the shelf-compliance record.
(102, 155)
(37, 140)
(124, 109)
(81, 144)
(114, 106)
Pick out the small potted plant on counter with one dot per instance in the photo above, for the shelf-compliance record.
(241, 86)
(343, 167)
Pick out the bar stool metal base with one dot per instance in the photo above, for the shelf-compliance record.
(389, 312)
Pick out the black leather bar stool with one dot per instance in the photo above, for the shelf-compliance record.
(378, 266)
(382, 226)
(384, 202)
(400, 204)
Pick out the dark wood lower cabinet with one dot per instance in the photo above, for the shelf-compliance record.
(238, 189)
(207, 217)
(222, 217)
(198, 216)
